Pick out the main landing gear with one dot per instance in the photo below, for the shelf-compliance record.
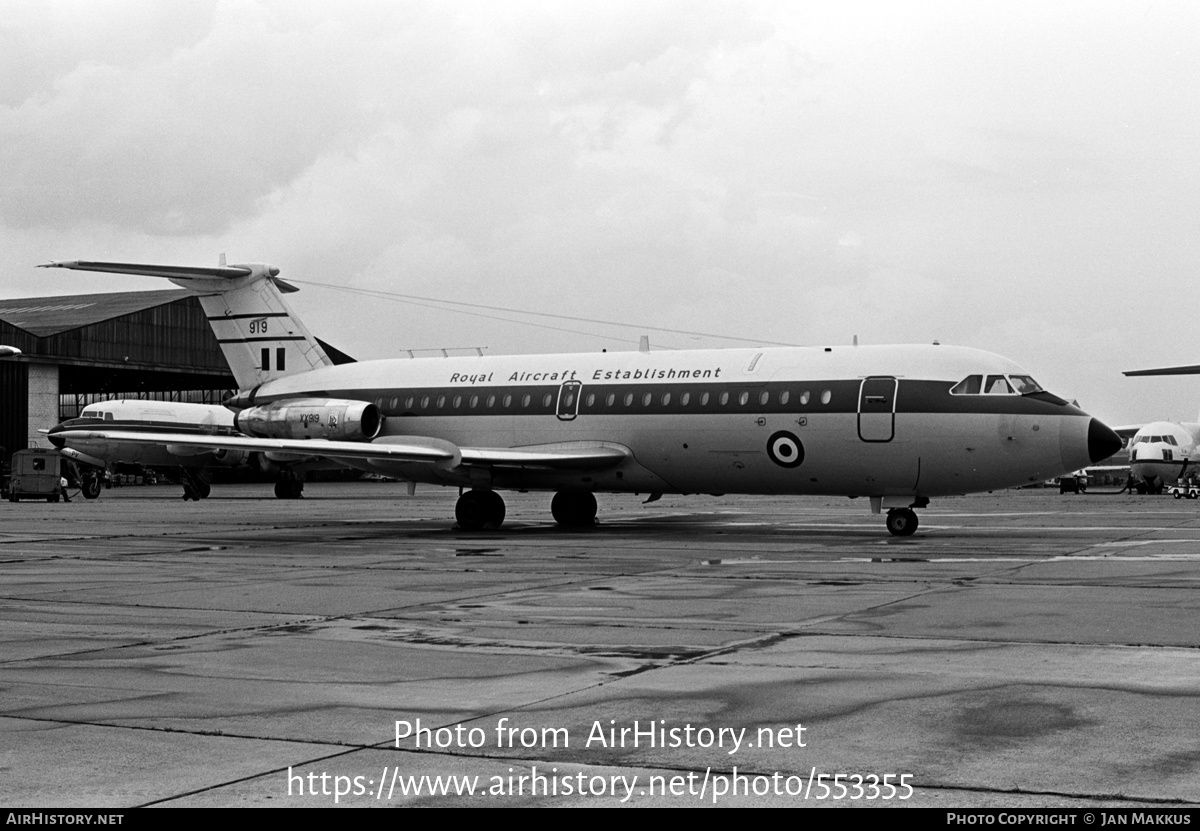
(479, 509)
(194, 487)
(902, 522)
(574, 509)
(289, 489)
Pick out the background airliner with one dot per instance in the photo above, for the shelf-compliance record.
(1163, 451)
(1160, 453)
(151, 419)
(82, 441)
(894, 424)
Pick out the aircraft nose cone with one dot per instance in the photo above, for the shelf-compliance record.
(1102, 441)
(57, 441)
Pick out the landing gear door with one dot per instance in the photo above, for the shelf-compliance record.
(877, 409)
(568, 400)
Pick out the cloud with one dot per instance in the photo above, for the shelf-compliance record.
(801, 171)
(183, 143)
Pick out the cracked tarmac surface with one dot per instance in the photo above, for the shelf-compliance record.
(1022, 649)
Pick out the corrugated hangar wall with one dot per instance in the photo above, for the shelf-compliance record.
(76, 349)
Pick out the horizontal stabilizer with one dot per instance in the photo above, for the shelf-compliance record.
(170, 272)
(1194, 369)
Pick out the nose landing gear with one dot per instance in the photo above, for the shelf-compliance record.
(91, 485)
(902, 522)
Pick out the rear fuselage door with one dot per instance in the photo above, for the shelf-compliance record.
(877, 409)
(568, 400)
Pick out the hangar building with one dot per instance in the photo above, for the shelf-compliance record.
(92, 347)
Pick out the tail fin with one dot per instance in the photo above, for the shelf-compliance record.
(259, 333)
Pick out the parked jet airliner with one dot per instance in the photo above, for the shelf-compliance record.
(894, 424)
(1161, 452)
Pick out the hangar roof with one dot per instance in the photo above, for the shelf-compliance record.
(44, 316)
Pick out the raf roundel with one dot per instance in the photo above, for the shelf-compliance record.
(785, 449)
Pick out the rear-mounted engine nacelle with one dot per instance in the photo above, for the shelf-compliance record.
(312, 418)
(232, 458)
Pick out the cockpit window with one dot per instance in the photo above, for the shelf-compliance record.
(1024, 384)
(108, 416)
(968, 386)
(1171, 440)
(997, 385)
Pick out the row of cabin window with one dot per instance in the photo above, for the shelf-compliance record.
(610, 400)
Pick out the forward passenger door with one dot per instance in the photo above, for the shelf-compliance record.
(877, 409)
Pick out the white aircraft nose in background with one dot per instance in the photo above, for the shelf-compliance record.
(1161, 453)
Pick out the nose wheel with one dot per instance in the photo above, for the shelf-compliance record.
(902, 522)
(91, 486)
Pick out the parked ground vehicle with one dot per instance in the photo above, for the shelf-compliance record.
(35, 475)
(1073, 482)
(1181, 490)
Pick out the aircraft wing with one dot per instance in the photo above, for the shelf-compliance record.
(1167, 370)
(568, 455)
(395, 448)
(1128, 431)
(421, 449)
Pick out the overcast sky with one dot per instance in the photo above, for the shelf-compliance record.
(1017, 177)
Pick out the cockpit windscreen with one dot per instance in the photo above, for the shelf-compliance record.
(996, 385)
